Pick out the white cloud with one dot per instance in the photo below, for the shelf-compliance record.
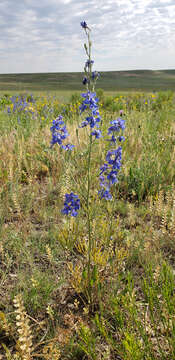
(46, 36)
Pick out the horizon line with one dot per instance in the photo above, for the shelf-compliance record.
(81, 72)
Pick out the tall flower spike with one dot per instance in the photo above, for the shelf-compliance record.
(90, 76)
(59, 133)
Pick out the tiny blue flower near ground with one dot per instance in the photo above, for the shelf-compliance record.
(71, 205)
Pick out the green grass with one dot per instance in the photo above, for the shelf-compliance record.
(45, 307)
(133, 80)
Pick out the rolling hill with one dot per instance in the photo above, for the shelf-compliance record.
(136, 80)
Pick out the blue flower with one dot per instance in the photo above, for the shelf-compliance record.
(105, 194)
(83, 124)
(95, 75)
(109, 172)
(90, 97)
(96, 133)
(114, 158)
(84, 25)
(112, 139)
(71, 204)
(56, 139)
(121, 138)
(82, 108)
(112, 177)
(117, 125)
(91, 100)
(59, 133)
(104, 168)
(85, 80)
(92, 120)
(64, 132)
(56, 123)
(68, 147)
(19, 103)
(88, 63)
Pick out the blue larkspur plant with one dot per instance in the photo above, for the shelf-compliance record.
(109, 170)
(60, 133)
(71, 205)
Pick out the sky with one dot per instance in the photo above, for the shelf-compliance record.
(46, 36)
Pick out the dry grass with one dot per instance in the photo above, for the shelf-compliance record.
(45, 309)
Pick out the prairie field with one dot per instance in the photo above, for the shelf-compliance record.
(131, 80)
(99, 285)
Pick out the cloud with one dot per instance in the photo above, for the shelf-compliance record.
(46, 36)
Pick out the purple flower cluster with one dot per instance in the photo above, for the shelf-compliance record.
(60, 133)
(110, 169)
(117, 125)
(90, 103)
(19, 103)
(71, 204)
(109, 172)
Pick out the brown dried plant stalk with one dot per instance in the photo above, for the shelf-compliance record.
(22, 322)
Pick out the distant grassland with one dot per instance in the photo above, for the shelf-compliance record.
(135, 80)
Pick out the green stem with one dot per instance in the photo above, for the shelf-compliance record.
(88, 214)
(90, 66)
(90, 87)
